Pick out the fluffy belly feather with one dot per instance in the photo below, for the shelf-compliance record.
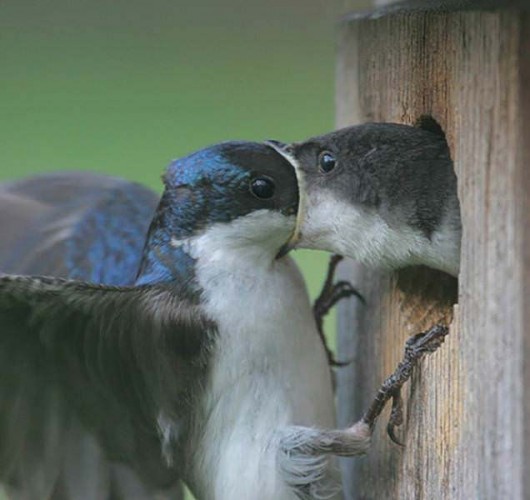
(269, 372)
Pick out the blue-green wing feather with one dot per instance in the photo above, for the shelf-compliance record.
(75, 225)
(72, 225)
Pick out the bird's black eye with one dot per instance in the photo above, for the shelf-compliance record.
(262, 187)
(326, 162)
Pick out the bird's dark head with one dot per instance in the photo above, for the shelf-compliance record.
(238, 197)
(382, 193)
(229, 184)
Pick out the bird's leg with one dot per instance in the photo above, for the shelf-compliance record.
(355, 440)
(330, 294)
(415, 348)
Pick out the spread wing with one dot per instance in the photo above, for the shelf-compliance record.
(112, 360)
(75, 225)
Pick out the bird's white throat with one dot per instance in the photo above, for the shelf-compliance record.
(340, 227)
(269, 369)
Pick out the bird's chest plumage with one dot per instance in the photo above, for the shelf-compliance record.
(268, 371)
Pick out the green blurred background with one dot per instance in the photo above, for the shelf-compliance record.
(124, 86)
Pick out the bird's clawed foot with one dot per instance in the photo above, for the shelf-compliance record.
(330, 294)
(415, 348)
(355, 440)
(396, 417)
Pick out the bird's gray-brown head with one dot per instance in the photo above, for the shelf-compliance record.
(238, 198)
(381, 193)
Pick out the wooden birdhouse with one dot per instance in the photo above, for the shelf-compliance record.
(465, 65)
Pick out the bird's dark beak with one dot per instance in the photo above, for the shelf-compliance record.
(286, 151)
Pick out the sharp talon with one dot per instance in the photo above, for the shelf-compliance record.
(335, 259)
(329, 296)
(391, 434)
(344, 289)
(415, 348)
(396, 414)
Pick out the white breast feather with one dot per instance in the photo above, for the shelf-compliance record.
(269, 371)
(334, 225)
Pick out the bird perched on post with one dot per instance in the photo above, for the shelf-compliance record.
(209, 368)
(384, 194)
(381, 193)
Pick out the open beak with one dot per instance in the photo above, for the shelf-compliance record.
(286, 152)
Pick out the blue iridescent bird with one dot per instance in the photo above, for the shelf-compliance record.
(191, 353)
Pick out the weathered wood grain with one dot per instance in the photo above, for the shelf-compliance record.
(467, 427)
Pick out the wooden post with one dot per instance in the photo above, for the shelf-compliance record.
(467, 428)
